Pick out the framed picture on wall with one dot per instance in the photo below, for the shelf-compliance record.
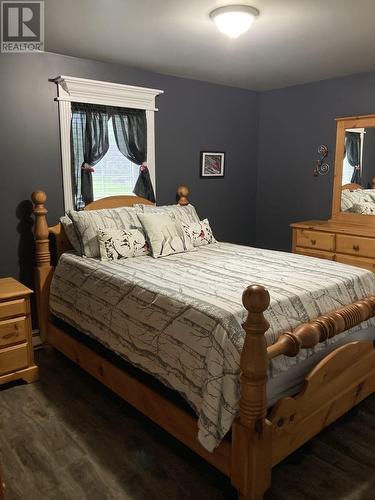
(212, 164)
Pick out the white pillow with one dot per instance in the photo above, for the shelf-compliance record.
(115, 244)
(87, 223)
(184, 213)
(200, 233)
(165, 235)
(71, 233)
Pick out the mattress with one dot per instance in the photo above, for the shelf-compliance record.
(179, 317)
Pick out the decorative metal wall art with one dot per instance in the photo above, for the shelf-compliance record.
(320, 167)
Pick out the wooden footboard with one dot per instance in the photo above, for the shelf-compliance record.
(340, 381)
(260, 438)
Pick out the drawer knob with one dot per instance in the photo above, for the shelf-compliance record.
(356, 247)
(313, 242)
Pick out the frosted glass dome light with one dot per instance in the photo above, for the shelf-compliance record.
(234, 20)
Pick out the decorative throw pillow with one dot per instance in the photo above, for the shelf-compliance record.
(165, 234)
(364, 208)
(87, 223)
(71, 233)
(200, 233)
(115, 244)
(184, 213)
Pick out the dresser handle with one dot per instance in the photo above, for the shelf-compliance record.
(313, 242)
(356, 247)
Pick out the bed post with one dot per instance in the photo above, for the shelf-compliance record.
(251, 438)
(43, 269)
(182, 195)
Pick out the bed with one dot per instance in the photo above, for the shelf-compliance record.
(314, 344)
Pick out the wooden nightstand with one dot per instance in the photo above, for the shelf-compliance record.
(16, 350)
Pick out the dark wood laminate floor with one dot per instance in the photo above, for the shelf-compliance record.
(66, 437)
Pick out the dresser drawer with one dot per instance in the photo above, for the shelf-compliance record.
(12, 308)
(314, 239)
(13, 358)
(355, 245)
(13, 331)
(320, 254)
(356, 261)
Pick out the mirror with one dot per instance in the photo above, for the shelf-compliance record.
(358, 171)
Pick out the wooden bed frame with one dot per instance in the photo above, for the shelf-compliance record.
(351, 186)
(260, 438)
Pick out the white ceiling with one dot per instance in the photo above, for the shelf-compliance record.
(292, 41)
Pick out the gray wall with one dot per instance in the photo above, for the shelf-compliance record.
(270, 140)
(193, 116)
(293, 123)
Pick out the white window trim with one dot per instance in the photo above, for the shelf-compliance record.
(71, 89)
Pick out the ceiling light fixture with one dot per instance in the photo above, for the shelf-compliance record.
(234, 20)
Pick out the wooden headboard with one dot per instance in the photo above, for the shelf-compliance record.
(351, 186)
(59, 242)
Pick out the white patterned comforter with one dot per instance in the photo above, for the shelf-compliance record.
(179, 317)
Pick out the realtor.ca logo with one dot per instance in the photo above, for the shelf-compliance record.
(22, 26)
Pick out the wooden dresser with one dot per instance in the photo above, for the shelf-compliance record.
(347, 243)
(349, 235)
(16, 351)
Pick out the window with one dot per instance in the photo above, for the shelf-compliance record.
(114, 174)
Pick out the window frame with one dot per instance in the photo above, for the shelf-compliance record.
(72, 89)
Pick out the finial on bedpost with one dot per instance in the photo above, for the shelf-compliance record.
(182, 195)
(43, 269)
(254, 360)
(42, 254)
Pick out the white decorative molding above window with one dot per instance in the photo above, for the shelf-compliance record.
(72, 89)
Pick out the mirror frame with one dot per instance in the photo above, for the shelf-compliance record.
(342, 125)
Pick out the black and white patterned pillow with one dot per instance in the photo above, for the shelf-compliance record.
(115, 244)
(364, 208)
(200, 233)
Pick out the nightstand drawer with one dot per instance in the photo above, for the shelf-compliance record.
(13, 331)
(12, 308)
(355, 245)
(13, 359)
(314, 239)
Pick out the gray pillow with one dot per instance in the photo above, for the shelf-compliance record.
(87, 223)
(165, 234)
